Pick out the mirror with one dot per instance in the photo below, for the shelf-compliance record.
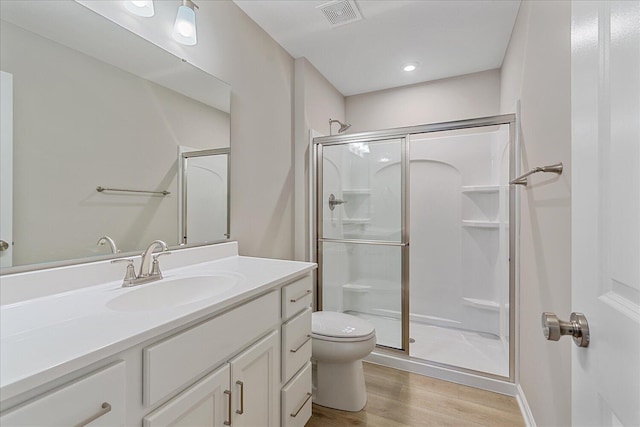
(88, 114)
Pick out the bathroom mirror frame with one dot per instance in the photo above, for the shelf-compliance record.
(62, 21)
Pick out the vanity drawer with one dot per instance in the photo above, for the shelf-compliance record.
(296, 296)
(296, 399)
(180, 359)
(296, 343)
(77, 402)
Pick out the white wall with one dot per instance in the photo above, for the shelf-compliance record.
(316, 101)
(536, 69)
(461, 97)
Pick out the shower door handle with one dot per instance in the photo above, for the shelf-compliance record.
(333, 202)
(553, 328)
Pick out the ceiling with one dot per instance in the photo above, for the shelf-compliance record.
(445, 38)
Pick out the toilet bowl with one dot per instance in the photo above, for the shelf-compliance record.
(339, 343)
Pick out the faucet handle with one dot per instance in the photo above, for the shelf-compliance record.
(155, 256)
(129, 260)
(130, 274)
(155, 265)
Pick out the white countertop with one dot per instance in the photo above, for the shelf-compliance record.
(44, 338)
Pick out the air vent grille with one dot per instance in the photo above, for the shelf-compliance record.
(341, 12)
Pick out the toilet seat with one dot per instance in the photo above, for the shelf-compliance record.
(340, 327)
(338, 339)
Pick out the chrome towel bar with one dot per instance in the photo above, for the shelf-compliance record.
(101, 189)
(522, 179)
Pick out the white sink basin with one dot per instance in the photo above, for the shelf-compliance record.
(174, 291)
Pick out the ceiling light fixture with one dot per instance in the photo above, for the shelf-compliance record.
(142, 8)
(410, 67)
(184, 29)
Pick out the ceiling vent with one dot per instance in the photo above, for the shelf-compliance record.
(341, 12)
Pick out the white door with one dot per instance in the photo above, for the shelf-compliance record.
(605, 51)
(6, 169)
(254, 384)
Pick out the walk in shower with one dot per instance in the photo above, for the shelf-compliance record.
(413, 234)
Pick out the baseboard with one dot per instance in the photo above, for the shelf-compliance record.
(529, 421)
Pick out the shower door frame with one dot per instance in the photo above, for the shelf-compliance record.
(405, 133)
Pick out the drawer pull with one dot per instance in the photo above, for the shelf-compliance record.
(241, 410)
(106, 407)
(307, 292)
(228, 393)
(301, 345)
(301, 406)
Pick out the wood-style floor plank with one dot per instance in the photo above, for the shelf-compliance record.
(402, 399)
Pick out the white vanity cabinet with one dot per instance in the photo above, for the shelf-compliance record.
(242, 361)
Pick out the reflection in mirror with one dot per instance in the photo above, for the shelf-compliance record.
(204, 200)
(87, 113)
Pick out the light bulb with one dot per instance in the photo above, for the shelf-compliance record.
(409, 67)
(184, 29)
(142, 8)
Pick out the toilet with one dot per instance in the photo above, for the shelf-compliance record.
(339, 343)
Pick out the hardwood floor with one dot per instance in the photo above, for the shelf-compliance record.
(400, 399)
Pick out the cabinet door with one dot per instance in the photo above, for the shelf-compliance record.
(254, 382)
(204, 404)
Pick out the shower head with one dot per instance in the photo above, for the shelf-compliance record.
(343, 126)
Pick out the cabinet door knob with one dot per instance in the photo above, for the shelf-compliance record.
(553, 328)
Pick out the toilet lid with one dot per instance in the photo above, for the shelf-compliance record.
(339, 325)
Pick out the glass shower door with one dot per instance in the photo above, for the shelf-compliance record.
(361, 233)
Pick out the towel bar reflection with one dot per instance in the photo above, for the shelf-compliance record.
(522, 179)
(100, 189)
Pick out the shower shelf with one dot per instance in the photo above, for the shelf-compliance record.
(356, 220)
(480, 188)
(352, 287)
(357, 191)
(482, 304)
(480, 224)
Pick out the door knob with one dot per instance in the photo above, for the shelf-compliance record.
(553, 328)
(3, 245)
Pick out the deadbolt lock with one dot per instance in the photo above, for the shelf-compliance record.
(553, 328)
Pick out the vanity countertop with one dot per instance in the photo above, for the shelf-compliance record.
(45, 338)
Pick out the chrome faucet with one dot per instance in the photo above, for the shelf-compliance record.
(106, 239)
(147, 273)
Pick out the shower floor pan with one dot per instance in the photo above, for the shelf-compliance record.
(452, 346)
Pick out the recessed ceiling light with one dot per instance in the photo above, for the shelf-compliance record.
(409, 67)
